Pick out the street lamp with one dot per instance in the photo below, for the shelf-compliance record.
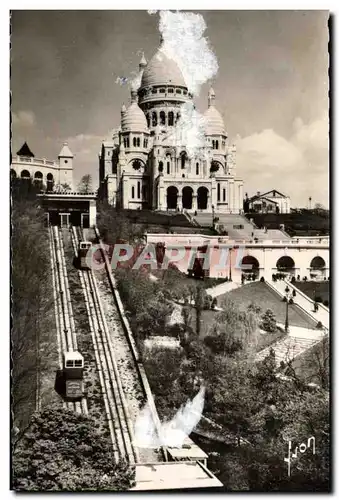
(288, 296)
(230, 271)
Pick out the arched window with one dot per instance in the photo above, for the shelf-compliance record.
(168, 168)
(38, 178)
(197, 168)
(50, 182)
(127, 142)
(132, 192)
(178, 117)
(134, 142)
(183, 159)
(218, 191)
(224, 194)
(171, 118)
(138, 142)
(161, 166)
(162, 118)
(148, 120)
(136, 164)
(154, 119)
(216, 144)
(139, 193)
(213, 144)
(25, 174)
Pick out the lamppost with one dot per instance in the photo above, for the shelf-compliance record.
(230, 271)
(288, 296)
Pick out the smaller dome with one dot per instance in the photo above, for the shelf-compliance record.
(133, 119)
(214, 122)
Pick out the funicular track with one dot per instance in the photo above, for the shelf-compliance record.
(65, 327)
(118, 418)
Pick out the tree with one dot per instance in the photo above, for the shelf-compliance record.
(63, 451)
(85, 185)
(232, 330)
(63, 187)
(33, 337)
(269, 322)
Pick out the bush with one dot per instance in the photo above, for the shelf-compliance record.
(214, 303)
(319, 325)
(284, 299)
(64, 451)
(291, 301)
(262, 279)
(269, 322)
(293, 279)
(326, 303)
(318, 298)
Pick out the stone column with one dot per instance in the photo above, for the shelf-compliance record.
(194, 202)
(179, 202)
(92, 213)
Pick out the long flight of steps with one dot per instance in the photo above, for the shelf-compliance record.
(288, 348)
(247, 232)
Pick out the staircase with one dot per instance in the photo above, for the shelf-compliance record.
(248, 232)
(222, 288)
(288, 348)
(304, 302)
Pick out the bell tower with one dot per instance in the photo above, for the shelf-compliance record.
(65, 158)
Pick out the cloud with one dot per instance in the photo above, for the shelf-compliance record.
(23, 119)
(182, 33)
(298, 166)
(80, 138)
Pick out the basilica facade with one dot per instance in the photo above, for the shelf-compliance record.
(147, 161)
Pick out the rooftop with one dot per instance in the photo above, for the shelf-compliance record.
(174, 476)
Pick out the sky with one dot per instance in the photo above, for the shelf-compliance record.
(271, 88)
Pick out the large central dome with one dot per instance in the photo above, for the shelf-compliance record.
(162, 71)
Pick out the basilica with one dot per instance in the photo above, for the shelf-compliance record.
(148, 162)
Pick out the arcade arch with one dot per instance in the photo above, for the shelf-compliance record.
(202, 198)
(172, 197)
(187, 197)
(286, 265)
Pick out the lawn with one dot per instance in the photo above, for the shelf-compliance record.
(314, 289)
(260, 294)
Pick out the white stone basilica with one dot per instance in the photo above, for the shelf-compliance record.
(141, 166)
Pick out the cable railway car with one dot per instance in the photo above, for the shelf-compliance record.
(73, 368)
(84, 247)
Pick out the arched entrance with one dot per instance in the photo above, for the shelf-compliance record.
(38, 179)
(25, 174)
(172, 197)
(202, 198)
(187, 197)
(50, 182)
(317, 267)
(250, 265)
(286, 265)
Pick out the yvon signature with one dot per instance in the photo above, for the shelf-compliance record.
(301, 448)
